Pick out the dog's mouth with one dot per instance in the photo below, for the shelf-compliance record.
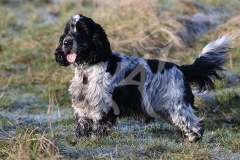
(71, 57)
(75, 58)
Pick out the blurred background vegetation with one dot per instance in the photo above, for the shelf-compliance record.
(33, 87)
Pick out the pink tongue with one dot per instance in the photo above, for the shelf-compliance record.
(71, 57)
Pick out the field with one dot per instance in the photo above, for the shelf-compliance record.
(36, 118)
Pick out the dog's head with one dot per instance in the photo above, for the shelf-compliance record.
(83, 42)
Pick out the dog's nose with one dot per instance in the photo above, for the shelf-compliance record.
(68, 42)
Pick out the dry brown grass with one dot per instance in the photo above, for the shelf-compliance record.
(28, 145)
(127, 22)
(231, 27)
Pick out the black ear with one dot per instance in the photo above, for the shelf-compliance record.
(60, 57)
(102, 48)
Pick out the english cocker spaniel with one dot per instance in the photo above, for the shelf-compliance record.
(109, 85)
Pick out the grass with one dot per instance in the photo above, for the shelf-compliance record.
(3, 121)
(28, 67)
(27, 144)
(5, 102)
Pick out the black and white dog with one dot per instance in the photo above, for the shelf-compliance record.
(108, 85)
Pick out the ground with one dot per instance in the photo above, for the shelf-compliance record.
(36, 118)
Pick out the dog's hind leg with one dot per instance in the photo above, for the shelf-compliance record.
(174, 103)
(188, 123)
(182, 117)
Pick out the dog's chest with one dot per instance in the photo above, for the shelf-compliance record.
(78, 88)
(89, 91)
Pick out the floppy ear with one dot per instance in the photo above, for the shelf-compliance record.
(102, 48)
(60, 57)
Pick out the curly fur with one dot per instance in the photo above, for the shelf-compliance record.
(108, 85)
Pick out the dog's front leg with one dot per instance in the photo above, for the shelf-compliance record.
(83, 128)
(101, 128)
(104, 125)
(98, 128)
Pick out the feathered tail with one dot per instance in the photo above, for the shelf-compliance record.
(209, 65)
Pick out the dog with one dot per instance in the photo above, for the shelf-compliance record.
(108, 85)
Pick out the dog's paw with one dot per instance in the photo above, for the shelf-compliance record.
(77, 140)
(194, 137)
(73, 142)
